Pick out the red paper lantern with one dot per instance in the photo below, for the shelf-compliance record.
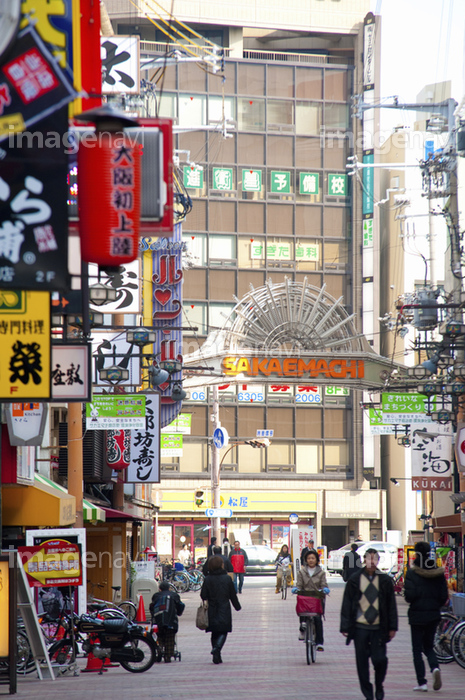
(109, 194)
(118, 446)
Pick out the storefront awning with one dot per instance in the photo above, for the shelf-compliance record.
(90, 511)
(448, 523)
(41, 505)
(112, 514)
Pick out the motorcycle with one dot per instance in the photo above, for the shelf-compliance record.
(116, 639)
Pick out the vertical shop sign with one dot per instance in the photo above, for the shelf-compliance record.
(144, 466)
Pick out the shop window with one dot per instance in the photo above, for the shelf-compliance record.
(250, 149)
(192, 110)
(221, 284)
(309, 84)
(250, 79)
(280, 81)
(308, 458)
(222, 250)
(194, 457)
(250, 114)
(195, 314)
(336, 85)
(222, 216)
(307, 118)
(195, 285)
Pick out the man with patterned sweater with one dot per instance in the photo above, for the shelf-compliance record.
(369, 617)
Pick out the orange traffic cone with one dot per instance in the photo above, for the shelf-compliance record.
(140, 617)
(94, 665)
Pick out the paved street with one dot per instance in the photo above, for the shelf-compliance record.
(263, 659)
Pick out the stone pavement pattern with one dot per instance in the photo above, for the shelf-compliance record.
(262, 659)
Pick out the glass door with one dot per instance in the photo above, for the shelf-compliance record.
(183, 535)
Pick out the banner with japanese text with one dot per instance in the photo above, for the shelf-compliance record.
(144, 466)
(52, 563)
(432, 457)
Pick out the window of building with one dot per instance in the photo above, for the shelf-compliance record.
(336, 423)
(220, 107)
(336, 454)
(216, 83)
(222, 151)
(228, 420)
(280, 153)
(221, 284)
(196, 245)
(195, 314)
(250, 79)
(309, 186)
(336, 117)
(250, 149)
(192, 110)
(281, 420)
(309, 458)
(309, 84)
(308, 221)
(222, 216)
(280, 81)
(250, 460)
(335, 255)
(336, 285)
(218, 314)
(199, 424)
(336, 151)
(308, 422)
(250, 419)
(280, 219)
(336, 222)
(222, 250)
(308, 118)
(308, 153)
(195, 285)
(250, 217)
(245, 279)
(250, 114)
(280, 115)
(194, 457)
(336, 84)
(191, 78)
(251, 252)
(167, 105)
(280, 457)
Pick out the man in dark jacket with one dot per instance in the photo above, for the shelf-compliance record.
(226, 563)
(239, 561)
(165, 607)
(369, 617)
(351, 562)
(218, 589)
(210, 547)
(426, 591)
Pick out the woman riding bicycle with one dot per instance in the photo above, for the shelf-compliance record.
(312, 578)
(283, 563)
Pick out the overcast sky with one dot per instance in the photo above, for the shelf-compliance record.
(422, 42)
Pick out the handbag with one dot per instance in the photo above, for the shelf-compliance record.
(201, 618)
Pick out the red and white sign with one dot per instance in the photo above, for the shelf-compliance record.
(52, 563)
(432, 483)
(460, 446)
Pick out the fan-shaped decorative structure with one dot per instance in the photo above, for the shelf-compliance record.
(291, 316)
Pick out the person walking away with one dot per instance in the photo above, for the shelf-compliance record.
(165, 608)
(210, 547)
(426, 590)
(369, 617)
(226, 547)
(283, 561)
(184, 555)
(312, 578)
(239, 561)
(351, 562)
(227, 564)
(218, 589)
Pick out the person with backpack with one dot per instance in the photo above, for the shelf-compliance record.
(351, 562)
(165, 608)
(426, 590)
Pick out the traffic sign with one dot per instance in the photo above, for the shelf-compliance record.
(220, 438)
(218, 513)
(293, 518)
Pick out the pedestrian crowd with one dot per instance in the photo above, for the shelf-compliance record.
(368, 613)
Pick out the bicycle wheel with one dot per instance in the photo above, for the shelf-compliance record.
(457, 644)
(442, 638)
(312, 639)
(24, 660)
(196, 578)
(129, 609)
(284, 587)
(181, 581)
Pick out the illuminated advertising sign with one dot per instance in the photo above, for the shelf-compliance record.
(294, 367)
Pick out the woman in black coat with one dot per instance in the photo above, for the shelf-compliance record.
(426, 591)
(218, 589)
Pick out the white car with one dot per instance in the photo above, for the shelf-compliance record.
(387, 556)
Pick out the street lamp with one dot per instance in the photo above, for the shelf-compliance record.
(95, 319)
(141, 337)
(113, 374)
(100, 294)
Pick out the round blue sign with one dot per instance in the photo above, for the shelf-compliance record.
(293, 518)
(220, 438)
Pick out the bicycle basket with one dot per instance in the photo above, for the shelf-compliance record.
(458, 604)
(308, 604)
(52, 605)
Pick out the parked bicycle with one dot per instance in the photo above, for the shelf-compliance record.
(94, 604)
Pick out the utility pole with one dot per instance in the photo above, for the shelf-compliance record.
(215, 467)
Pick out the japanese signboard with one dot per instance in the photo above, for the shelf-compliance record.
(309, 183)
(432, 458)
(116, 412)
(368, 233)
(337, 185)
(193, 177)
(32, 85)
(71, 373)
(280, 181)
(222, 179)
(33, 214)
(404, 409)
(308, 252)
(120, 64)
(112, 349)
(251, 180)
(144, 466)
(171, 445)
(25, 357)
(181, 424)
(54, 24)
(26, 423)
(377, 427)
(126, 280)
(52, 563)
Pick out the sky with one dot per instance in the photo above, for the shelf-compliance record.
(422, 42)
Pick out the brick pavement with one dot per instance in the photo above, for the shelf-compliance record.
(263, 659)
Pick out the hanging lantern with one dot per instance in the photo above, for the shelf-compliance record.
(118, 444)
(109, 190)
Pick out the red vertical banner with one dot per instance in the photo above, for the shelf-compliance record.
(91, 65)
